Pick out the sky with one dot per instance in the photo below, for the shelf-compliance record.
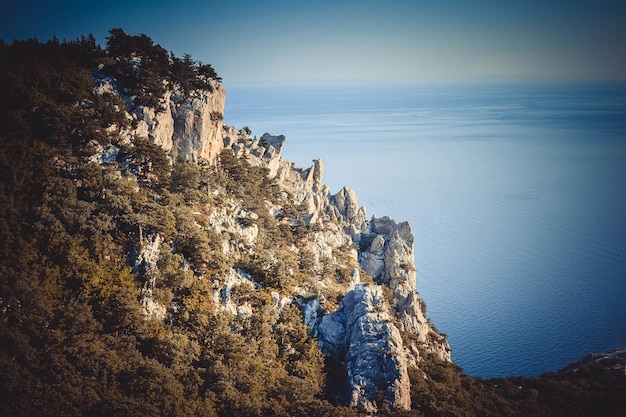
(277, 42)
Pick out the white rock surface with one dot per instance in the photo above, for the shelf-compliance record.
(361, 334)
(189, 126)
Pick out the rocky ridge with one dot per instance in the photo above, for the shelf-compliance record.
(136, 282)
(365, 331)
(379, 329)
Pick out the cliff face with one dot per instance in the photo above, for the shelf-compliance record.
(365, 331)
(188, 125)
(379, 329)
(165, 287)
(362, 334)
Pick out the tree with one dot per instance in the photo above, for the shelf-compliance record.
(208, 71)
(151, 159)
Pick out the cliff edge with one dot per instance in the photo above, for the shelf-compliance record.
(377, 337)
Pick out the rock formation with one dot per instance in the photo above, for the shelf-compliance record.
(387, 255)
(361, 333)
(364, 332)
(188, 125)
(368, 329)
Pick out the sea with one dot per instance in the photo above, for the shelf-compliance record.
(516, 194)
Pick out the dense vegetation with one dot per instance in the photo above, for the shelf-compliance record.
(74, 339)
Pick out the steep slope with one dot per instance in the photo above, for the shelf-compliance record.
(188, 125)
(358, 333)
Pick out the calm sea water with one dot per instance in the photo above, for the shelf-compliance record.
(516, 195)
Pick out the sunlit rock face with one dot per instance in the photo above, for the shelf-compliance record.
(344, 208)
(189, 126)
(145, 264)
(361, 334)
(364, 332)
(304, 185)
(386, 253)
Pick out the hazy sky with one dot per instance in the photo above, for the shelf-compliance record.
(347, 42)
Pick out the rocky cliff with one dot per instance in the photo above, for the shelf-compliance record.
(186, 124)
(189, 126)
(138, 279)
(378, 329)
(365, 331)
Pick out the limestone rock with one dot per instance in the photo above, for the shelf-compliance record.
(314, 175)
(346, 209)
(236, 221)
(364, 332)
(361, 334)
(198, 125)
(377, 244)
(223, 290)
(108, 155)
(275, 142)
(389, 259)
(303, 184)
(146, 264)
(189, 126)
(146, 261)
(157, 126)
(385, 246)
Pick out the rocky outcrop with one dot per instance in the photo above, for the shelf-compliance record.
(365, 331)
(272, 143)
(187, 124)
(378, 330)
(344, 208)
(361, 334)
(145, 265)
(304, 185)
(223, 291)
(386, 254)
(235, 220)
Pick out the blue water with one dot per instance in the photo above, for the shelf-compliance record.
(516, 194)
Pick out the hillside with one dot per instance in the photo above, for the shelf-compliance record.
(158, 262)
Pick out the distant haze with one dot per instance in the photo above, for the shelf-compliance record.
(357, 42)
